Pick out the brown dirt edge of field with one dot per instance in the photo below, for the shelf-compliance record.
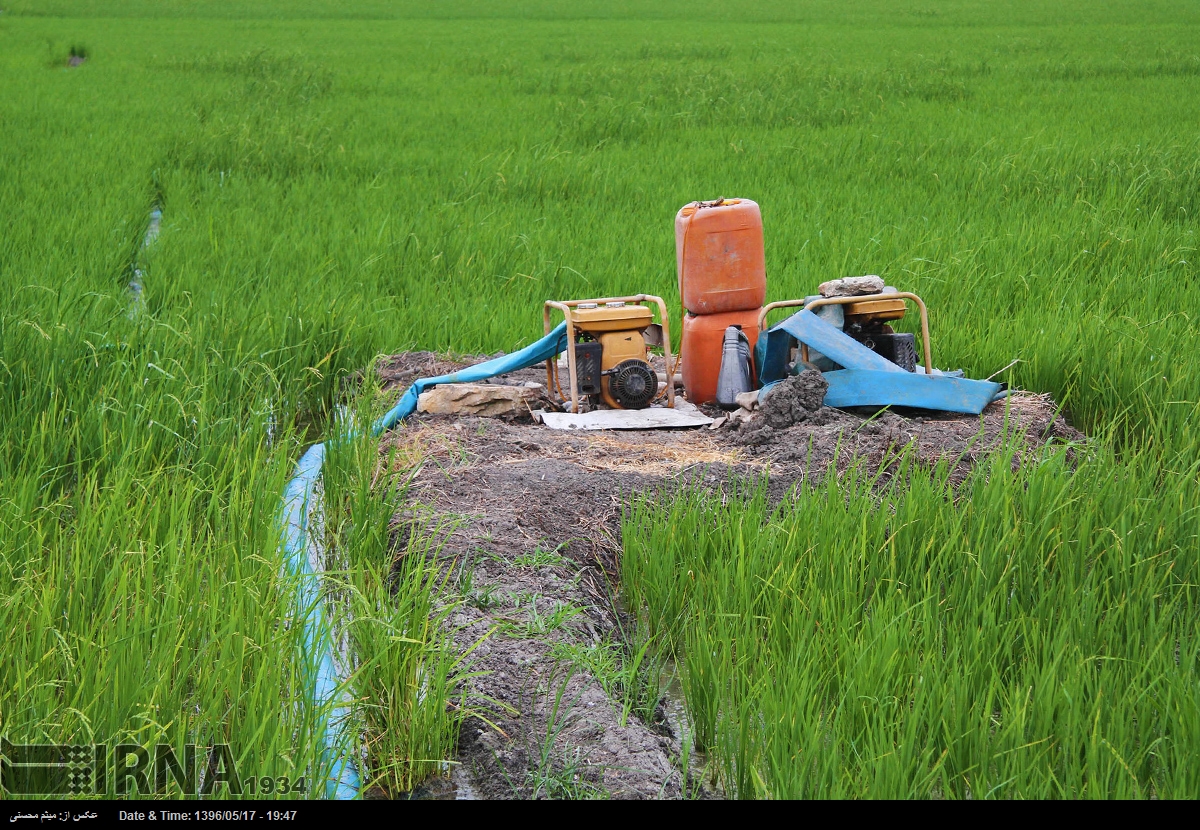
(510, 487)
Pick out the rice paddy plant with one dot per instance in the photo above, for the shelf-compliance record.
(144, 450)
(338, 182)
(143, 600)
(1032, 633)
(404, 674)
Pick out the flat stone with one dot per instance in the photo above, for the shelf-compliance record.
(851, 287)
(484, 399)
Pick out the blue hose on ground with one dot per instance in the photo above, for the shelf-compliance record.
(552, 345)
(325, 688)
(320, 675)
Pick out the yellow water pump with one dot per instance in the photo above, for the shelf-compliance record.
(608, 350)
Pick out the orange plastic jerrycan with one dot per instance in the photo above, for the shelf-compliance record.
(703, 340)
(719, 255)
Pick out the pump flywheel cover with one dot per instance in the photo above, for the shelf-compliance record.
(633, 384)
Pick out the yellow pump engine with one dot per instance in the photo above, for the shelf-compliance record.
(608, 353)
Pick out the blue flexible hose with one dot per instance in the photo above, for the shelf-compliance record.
(320, 674)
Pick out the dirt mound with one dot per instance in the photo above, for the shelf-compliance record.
(539, 537)
(535, 540)
(786, 404)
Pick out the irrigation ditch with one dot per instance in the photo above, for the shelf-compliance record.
(564, 700)
(324, 667)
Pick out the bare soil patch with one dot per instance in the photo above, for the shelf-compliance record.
(534, 536)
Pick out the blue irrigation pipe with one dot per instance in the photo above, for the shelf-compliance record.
(320, 673)
(326, 689)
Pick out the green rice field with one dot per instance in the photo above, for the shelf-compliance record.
(343, 180)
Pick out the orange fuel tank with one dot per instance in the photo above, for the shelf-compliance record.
(719, 256)
(703, 336)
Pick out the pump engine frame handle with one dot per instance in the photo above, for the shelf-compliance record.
(809, 306)
(567, 305)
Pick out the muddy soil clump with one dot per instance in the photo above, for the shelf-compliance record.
(795, 399)
(529, 521)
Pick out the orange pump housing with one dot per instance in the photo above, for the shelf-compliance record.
(703, 337)
(719, 255)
